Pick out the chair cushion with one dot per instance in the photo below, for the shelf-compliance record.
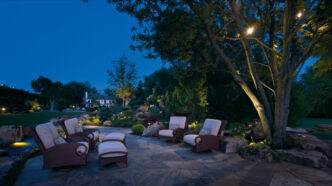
(114, 136)
(211, 124)
(112, 149)
(78, 128)
(190, 139)
(167, 133)
(70, 125)
(45, 135)
(177, 122)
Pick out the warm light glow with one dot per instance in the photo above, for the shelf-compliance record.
(20, 144)
(299, 15)
(3, 109)
(250, 30)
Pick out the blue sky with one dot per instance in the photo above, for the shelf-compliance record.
(64, 41)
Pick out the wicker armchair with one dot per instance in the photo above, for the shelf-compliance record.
(73, 129)
(56, 151)
(177, 127)
(208, 137)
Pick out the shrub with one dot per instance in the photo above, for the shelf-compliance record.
(105, 113)
(196, 126)
(155, 112)
(128, 113)
(138, 129)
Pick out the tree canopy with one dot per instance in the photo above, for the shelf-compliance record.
(263, 45)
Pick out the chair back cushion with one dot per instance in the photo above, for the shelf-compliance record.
(73, 126)
(211, 127)
(177, 122)
(46, 134)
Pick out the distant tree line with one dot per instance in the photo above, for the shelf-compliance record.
(55, 95)
(15, 100)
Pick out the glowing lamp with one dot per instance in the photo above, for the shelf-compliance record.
(299, 15)
(250, 30)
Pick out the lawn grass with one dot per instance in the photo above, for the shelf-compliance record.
(26, 119)
(311, 122)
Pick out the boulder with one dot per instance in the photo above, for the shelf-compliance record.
(153, 130)
(83, 117)
(231, 145)
(296, 131)
(257, 154)
(10, 134)
(308, 158)
(324, 127)
(107, 123)
(308, 142)
(258, 131)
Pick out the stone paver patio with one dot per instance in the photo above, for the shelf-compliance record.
(155, 162)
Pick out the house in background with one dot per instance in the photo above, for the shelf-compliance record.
(97, 101)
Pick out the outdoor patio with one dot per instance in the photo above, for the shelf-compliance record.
(152, 161)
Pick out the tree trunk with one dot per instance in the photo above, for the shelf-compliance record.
(124, 101)
(281, 112)
(52, 103)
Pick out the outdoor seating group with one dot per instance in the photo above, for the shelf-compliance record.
(73, 149)
(206, 139)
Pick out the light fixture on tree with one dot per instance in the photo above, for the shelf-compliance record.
(250, 30)
(299, 15)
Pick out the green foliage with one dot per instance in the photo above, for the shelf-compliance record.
(154, 111)
(312, 96)
(128, 113)
(191, 99)
(196, 126)
(138, 129)
(105, 113)
(34, 104)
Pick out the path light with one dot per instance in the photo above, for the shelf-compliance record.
(20, 144)
(250, 30)
(3, 109)
(299, 15)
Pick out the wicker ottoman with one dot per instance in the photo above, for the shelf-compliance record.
(115, 136)
(112, 152)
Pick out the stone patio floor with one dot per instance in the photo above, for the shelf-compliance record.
(152, 161)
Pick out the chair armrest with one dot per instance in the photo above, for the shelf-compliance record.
(191, 132)
(77, 138)
(64, 151)
(206, 139)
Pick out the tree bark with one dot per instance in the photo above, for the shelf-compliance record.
(281, 112)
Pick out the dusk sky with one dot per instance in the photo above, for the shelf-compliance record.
(64, 41)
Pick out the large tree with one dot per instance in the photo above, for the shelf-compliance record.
(122, 78)
(252, 38)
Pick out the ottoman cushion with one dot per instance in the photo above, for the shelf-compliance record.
(106, 149)
(116, 136)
